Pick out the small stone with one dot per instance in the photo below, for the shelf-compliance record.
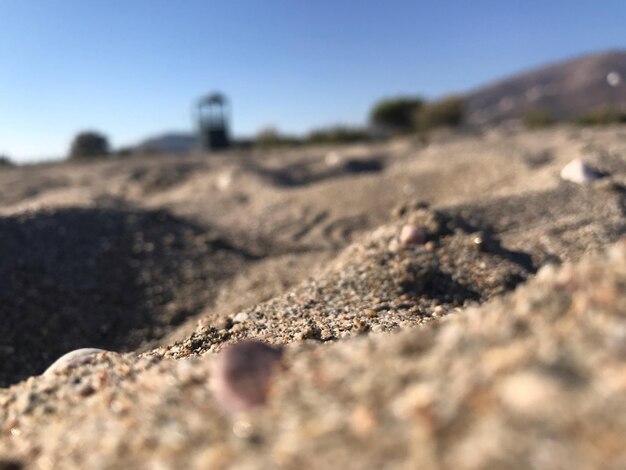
(86, 390)
(479, 242)
(225, 180)
(362, 422)
(225, 323)
(438, 311)
(72, 359)
(394, 246)
(579, 171)
(332, 158)
(312, 332)
(412, 235)
(240, 317)
(242, 374)
(360, 326)
(400, 210)
(243, 429)
(530, 394)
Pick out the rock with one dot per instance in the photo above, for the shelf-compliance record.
(225, 180)
(530, 394)
(333, 158)
(242, 374)
(412, 235)
(240, 317)
(579, 171)
(71, 359)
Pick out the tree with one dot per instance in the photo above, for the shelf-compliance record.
(89, 144)
(448, 112)
(5, 161)
(272, 137)
(336, 135)
(397, 114)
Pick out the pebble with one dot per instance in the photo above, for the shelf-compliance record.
(579, 171)
(332, 158)
(72, 359)
(225, 180)
(240, 317)
(530, 394)
(412, 235)
(242, 375)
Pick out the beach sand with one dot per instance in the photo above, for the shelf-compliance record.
(496, 343)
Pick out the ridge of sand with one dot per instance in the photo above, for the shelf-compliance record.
(535, 379)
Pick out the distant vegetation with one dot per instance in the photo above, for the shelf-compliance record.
(89, 144)
(538, 119)
(409, 114)
(599, 117)
(5, 161)
(337, 135)
(448, 112)
(402, 115)
(396, 115)
(272, 137)
(124, 152)
(567, 89)
(541, 118)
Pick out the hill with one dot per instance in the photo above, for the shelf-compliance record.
(565, 89)
(174, 143)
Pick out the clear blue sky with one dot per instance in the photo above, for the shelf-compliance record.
(132, 68)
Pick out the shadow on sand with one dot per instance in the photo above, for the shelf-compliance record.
(107, 278)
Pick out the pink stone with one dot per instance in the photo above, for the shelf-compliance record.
(242, 374)
(412, 235)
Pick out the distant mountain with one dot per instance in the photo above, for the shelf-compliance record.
(565, 89)
(177, 143)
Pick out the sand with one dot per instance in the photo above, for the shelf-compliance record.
(496, 343)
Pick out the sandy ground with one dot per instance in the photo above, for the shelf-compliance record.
(396, 357)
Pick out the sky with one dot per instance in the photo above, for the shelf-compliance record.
(133, 68)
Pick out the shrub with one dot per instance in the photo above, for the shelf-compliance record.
(447, 112)
(124, 152)
(337, 135)
(599, 117)
(5, 161)
(271, 137)
(89, 144)
(538, 118)
(396, 115)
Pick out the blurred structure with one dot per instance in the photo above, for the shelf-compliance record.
(213, 114)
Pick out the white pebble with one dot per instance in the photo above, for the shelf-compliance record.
(332, 158)
(240, 317)
(225, 180)
(578, 171)
(71, 359)
(530, 394)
